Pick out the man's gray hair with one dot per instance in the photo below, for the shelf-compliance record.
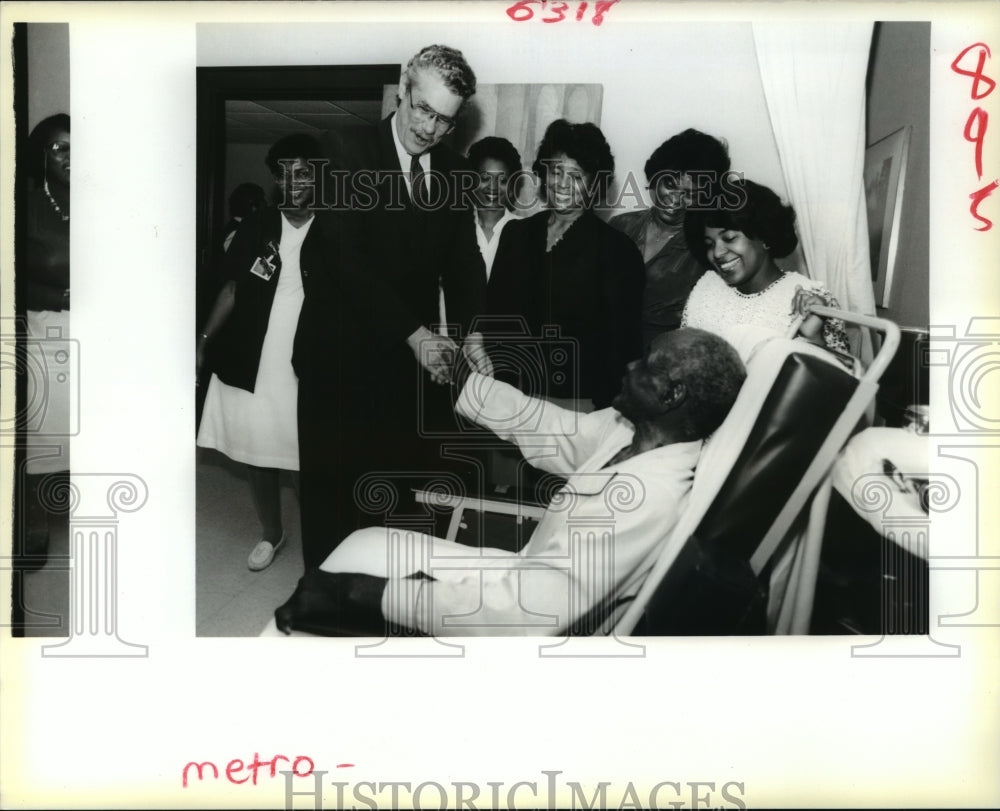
(449, 64)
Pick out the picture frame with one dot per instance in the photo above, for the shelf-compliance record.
(885, 183)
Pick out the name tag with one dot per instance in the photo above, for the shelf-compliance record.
(266, 266)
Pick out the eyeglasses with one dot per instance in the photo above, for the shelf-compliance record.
(58, 147)
(423, 113)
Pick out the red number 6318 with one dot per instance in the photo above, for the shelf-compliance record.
(555, 12)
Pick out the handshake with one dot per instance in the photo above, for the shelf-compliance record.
(446, 361)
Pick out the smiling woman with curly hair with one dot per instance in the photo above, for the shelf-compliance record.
(565, 272)
(673, 173)
(739, 241)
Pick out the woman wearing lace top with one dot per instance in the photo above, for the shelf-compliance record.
(740, 240)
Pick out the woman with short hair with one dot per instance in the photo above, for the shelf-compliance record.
(250, 406)
(739, 240)
(676, 173)
(574, 282)
(498, 164)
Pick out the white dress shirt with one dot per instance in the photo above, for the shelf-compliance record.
(488, 247)
(405, 158)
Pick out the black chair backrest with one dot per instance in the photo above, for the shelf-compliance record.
(906, 381)
(711, 589)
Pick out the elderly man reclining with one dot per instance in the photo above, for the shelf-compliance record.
(629, 471)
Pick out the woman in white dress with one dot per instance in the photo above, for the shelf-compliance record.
(739, 239)
(250, 407)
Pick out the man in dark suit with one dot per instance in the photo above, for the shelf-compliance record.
(374, 400)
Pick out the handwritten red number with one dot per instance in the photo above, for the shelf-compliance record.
(521, 11)
(558, 9)
(976, 75)
(977, 124)
(977, 197)
(600, 9)
(979, 119)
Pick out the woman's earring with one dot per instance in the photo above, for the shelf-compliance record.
(766, 247)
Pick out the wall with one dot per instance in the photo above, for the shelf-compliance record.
(902, 49)
(48, 71)
(245, 164)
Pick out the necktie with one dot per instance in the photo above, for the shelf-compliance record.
(418, 184)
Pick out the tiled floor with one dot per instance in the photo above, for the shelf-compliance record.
(231, 599)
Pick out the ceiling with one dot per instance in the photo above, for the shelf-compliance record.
(257, 122)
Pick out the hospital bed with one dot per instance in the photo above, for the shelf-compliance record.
(744, 555)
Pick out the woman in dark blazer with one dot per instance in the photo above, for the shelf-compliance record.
(568, 280)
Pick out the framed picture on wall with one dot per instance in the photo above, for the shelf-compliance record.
(885, 180)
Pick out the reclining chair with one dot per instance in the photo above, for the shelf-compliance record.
(744, 557)
(737, 563)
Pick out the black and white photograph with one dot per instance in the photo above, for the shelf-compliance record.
(545, 269)
(602, 366)
(38, 336)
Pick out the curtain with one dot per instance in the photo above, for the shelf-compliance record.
(814, 84)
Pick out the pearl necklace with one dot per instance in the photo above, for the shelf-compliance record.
(759, 292)
(56, 207)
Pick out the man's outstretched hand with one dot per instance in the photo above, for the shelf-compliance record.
(436, 353)
(472, 358)
(474, 351)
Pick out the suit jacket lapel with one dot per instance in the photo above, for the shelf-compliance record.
(389, 164)
(388, 160)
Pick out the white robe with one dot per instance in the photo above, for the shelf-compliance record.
(598, 536)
